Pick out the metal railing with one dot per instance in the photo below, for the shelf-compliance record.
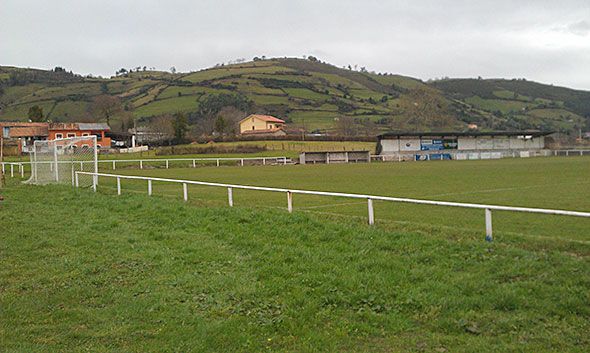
(370, 198)
(165, 161)
(20, 165)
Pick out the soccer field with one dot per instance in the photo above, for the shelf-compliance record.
(100, 272)
(555, 183)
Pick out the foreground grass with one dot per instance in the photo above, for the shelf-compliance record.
(92, 272)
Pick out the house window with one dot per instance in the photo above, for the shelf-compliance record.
(270, 126)
(85, 134)
(71, 134)
(98, 146)
(59, 136)
(252, 127)
(85, 146)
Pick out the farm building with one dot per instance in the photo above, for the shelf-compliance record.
(23, 135)
(65, 130)
(261, 124)
(460, 145)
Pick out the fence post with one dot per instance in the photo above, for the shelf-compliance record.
(77, 181)
(218, 162)
(56, 165)
(22, 170)
(242, 162)
(488, 225)
(94, 182)
(81, 166)
(118, 186)
(140, 164)
(290, 201)
(230, 197)
(185, 191)
(194, 163)
(284, 160)
(12, 170)
(114, 166)
(371, 211)
(263, 161)
(149, 187)
(166, 164)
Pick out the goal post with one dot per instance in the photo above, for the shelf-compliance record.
(57, 161)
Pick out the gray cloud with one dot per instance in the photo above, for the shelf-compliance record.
(581, 28)
(425, 39)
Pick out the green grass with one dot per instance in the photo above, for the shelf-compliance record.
(153, 93)
(514, 182)
(97, 272)
(503, 106)
(176, 104)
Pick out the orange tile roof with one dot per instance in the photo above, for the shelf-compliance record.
(31, 131)
(265, 118)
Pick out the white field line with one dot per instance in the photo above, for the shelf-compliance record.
(332, 205)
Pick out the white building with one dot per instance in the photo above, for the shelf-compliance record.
(460, 145)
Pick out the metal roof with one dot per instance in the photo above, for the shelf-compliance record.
(534, 133)
(93, 126)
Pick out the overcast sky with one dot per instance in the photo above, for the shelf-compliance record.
(546, 41)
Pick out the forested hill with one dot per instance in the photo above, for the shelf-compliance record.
(309, 94)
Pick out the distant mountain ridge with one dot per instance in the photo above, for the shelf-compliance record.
(307, 93)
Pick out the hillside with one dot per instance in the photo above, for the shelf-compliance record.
(309, 94)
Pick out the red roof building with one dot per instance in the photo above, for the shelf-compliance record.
(260, 124)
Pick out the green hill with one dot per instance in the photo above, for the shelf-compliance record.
(307, 93)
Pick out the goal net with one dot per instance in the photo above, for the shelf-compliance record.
(57, 161)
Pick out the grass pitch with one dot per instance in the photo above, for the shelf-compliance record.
(555, 183)
(94, 272)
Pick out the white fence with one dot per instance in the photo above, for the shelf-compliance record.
(370, 198)
(141, 163)
(11, 166)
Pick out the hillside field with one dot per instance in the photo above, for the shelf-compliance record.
(99, 272)
(309, 94)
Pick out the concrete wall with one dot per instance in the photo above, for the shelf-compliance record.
(409, 144)
(334, 157)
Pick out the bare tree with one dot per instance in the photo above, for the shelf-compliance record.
(345, 126)
(161, 127)
(104, 107)
(231, 116)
